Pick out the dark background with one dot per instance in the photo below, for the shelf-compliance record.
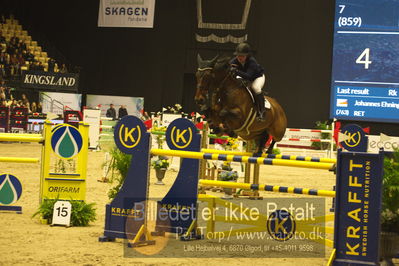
(291, 39)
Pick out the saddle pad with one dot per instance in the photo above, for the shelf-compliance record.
(267, 104)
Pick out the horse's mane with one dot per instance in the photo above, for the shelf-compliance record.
(223, 63)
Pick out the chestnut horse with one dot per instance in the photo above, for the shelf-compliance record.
(229, 107)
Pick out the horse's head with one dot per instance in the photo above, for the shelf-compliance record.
(205, 79)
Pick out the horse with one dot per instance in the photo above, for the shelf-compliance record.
(229, 107)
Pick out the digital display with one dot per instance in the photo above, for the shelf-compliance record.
(365, 71)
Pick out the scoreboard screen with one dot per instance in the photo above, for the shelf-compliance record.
(365, 71)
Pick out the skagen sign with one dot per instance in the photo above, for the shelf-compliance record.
(46, 80)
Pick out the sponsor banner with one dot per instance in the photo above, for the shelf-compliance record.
(55, 102)
(92, 117)
(356, 139)
(126, 13)
(358, 208)
(47, 80)
(134, 105)
(375, 143)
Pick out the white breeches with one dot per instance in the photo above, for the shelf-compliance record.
(257, 84)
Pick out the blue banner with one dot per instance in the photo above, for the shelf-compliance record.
(365, 71)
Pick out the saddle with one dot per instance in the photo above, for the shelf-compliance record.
(247, 85)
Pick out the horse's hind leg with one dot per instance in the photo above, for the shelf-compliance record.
(270, 148)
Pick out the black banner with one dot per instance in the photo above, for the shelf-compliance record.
(48, 80)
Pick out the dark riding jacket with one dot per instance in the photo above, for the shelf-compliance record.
(251, 70)
(111, 112)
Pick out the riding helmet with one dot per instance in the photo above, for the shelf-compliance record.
(242, 49)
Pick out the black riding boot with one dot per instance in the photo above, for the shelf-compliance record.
(260, 105)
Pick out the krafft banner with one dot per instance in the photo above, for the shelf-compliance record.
(358, 208)
(126, 13)
(48, 80)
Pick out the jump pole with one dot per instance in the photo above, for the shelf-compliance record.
(244, 159)
(21, 138)
(274, 156)
(18, 160)
(270, 188)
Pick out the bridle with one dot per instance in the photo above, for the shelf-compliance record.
(209, 90)
(212, 89)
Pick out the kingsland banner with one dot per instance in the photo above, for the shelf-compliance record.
(47, 80)
(126, 13)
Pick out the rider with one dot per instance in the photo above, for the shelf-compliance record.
(245, 66)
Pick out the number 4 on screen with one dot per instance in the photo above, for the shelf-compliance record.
(364, 58)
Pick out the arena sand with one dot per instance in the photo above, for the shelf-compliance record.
(25, 241)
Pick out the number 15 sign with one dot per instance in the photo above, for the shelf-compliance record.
(62, 213)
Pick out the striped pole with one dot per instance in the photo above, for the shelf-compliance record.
(18, 160)
(278, 189)
(243, 159)
(274, 156)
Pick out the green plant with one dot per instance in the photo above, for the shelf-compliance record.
(82, 213)
(390, 193)
(228, 175)
(119, 167)
(226, 166)
(276, 151)
(160, 163)
(160, 141)
(72, 164)
(159, 136)
(46, 209)
(60, 165)
(231, 144)
(322, 145)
